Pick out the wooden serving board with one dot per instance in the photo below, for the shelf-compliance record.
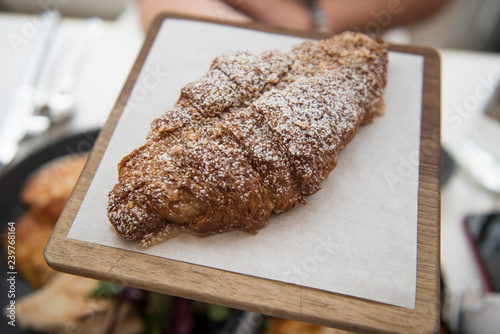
(257, 294)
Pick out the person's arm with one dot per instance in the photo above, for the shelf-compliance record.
(368, 15)
(362, 15)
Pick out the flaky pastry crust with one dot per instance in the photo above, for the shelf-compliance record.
(257, 134)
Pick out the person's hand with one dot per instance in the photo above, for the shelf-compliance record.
(202, 8)
(281, 13)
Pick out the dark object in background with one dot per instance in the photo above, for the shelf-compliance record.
(447, 166)
(483, 232)
(494, 44)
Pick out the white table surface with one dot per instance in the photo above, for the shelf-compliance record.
(463, 73)
(109, 66)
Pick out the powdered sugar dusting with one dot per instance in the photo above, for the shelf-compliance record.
(257, 133)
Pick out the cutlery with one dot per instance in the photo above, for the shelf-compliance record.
(14, 127)
(60, 101)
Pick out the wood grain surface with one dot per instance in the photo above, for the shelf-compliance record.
(257, 294)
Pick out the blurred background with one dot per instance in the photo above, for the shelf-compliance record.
(72, 65)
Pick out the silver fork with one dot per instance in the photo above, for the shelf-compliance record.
(59, 102)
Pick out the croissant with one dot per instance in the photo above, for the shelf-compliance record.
(256, 134)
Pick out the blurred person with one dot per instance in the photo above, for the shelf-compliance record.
(370, 16)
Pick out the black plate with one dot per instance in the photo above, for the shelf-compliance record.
(11, 182)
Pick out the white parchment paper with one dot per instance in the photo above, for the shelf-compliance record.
(357, 236)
